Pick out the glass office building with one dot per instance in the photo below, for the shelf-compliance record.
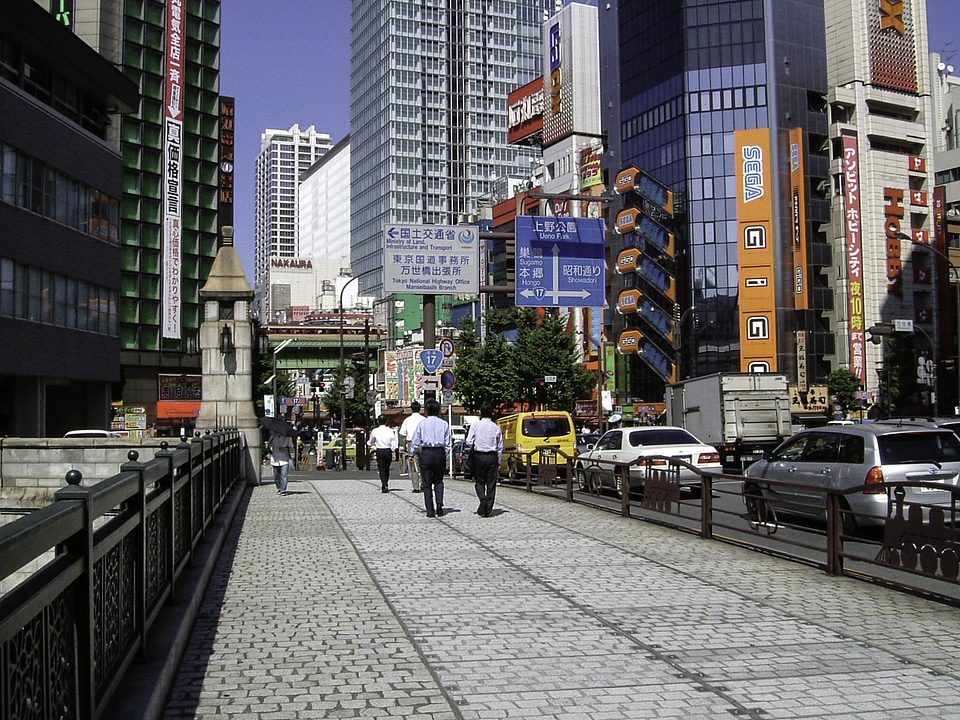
(685, 79)
(429, 91)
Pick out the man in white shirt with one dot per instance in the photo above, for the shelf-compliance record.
(487, 441)
(384, 440)
(407, 427)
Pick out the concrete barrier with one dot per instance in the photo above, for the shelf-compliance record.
(33, 469)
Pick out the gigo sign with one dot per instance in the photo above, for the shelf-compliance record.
(629, 342)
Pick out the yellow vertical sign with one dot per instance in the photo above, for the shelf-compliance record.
(758, 319)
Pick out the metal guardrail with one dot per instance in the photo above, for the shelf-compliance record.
(916, 548)
(103, 559)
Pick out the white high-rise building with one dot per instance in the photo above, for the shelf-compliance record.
(325, 206)
(285, 155)
(429, 113)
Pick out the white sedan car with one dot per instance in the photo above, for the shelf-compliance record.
(601, 466)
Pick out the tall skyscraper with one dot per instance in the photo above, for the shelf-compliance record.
(285, 156)
(429, 113)
(684, 87)
(796, 138)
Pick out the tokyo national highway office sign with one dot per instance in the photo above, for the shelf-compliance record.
(431, 259)
(560, 262)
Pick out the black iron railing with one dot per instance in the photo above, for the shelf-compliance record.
(915, 547)
(90, 574)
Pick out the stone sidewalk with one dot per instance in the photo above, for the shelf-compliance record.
(338, 601)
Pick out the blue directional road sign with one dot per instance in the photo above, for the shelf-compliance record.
(432, 360)
(560, 262)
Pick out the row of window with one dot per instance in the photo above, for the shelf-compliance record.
(30, 293)
(35, 186)
(39, 80)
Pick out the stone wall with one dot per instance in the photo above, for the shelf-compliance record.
(33, 469)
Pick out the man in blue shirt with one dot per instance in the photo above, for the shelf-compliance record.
(431, 443)
(487, 441)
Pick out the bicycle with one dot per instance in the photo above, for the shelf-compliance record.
(337, 461)
(760, 511)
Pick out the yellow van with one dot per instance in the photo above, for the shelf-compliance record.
(522, 432)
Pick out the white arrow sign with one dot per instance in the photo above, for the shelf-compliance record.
(555, 294)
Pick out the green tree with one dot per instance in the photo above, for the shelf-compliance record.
(358, 412)
(504, 373)
(899, 375)
(544, 347)
(844, 385)
(485, 370)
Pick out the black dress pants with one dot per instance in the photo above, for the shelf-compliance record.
(486, 468)
(433, 466)
(384, 458)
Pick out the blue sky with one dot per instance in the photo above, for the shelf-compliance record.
(288, 61)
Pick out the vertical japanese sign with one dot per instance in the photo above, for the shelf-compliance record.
(758, 301)
(798, 200)
(227, 159)
(172, 161)
(854, 253)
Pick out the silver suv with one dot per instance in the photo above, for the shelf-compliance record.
(843, 458)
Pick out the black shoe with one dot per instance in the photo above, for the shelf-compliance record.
(439, 513)
(431, 514)
(384, 490)
(416, 490)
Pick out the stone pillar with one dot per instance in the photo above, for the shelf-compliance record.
(228, 344)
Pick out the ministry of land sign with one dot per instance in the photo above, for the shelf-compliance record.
(431, 259)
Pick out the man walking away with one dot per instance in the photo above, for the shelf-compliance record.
(431, 443)
(407, 427)
(487, 441)
(385, 441)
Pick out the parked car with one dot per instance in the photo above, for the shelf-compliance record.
(949, 423)
(93, 434)
(586, 441)
(526, 431)
(848, 457)
(461, 458)
(601, 466)
(337, 444)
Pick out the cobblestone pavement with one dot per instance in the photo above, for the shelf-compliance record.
(338, 601)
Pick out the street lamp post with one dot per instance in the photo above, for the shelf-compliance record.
(276, 351)
(933, 375)
(343, 386)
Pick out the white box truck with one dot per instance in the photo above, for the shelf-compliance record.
(743, 415)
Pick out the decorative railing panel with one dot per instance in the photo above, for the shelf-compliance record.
(108, 556)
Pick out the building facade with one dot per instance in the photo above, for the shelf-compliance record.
(881, 153)
(60, 280)
(285, 156)
(428, 101)
(688, 91)
(324, 206)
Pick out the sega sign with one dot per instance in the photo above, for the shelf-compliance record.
(752, 173)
